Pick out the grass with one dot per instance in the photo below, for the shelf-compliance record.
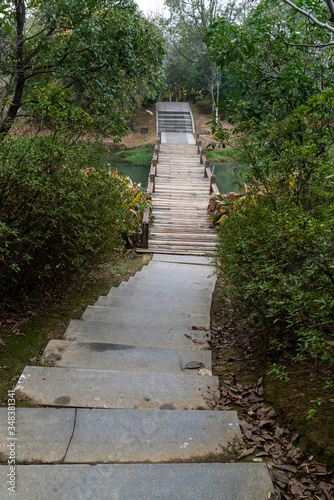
(222, 154)
(26, 346)
(137, 156)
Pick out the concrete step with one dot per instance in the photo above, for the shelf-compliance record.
(51, 435)
(89, 331)
(76, 387)
(105, 356)
(145, 303)
(157, 294)
(160, 318)
(183, 259)
(177, 268)
(165, 280)
(244, 481)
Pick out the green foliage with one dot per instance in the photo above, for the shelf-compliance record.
(277, 246)
(60, 210)
(101, 50)
(204, 106)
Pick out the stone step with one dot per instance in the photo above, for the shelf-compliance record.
(175, 268)
(89, 331)
(105, 356)
(184, 259)
(163, 294)
(51, 435)
(163, 279)
(76, 387)
(144, 303)
(243, 481)
(160, 318)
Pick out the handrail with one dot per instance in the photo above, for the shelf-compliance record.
(207, 170)
(149, 191)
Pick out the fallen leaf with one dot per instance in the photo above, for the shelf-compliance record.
(192, 365)
(246, 453)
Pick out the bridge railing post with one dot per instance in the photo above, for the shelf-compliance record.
(206, 165)
(197, 138)
(144, 235)
(152, 179)
(212, 181)
(202, 155)
(199, 144)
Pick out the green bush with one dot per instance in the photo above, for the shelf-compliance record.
(59, 210)
(204, 106)
(277, 244)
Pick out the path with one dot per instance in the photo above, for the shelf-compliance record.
(119, 414)
(181, 195)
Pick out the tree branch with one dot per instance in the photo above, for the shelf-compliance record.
(311, 17)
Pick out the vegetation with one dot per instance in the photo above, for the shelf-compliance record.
(276, 244)
(68, 72)
(137, 156)
(100, 50)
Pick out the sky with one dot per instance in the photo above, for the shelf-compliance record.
(150, 5)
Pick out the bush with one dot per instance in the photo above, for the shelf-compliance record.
(59, 210)
(204, 106)
(276, 245)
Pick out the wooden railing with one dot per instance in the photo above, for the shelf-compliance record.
(207, 170)
(150, 190)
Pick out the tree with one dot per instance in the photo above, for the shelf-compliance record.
(329, 13)
(99, 49)
(189, 64)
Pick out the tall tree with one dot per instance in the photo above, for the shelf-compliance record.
(99, 49)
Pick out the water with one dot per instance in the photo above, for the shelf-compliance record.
(228, 175)
(137, 173)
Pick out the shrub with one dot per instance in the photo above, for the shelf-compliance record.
(204, 106)
(59, 210)
(276, 245)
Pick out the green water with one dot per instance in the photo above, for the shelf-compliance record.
(137, 173)
(228, 175)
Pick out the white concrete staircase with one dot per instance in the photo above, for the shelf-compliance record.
(126, 406)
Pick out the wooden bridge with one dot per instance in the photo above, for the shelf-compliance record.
(180, 186)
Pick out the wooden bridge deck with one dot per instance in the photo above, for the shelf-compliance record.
(180, 204)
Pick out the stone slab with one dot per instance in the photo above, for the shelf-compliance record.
(121, 436)
(186, 279)
(159, 318)
(244, 481)
(41, 434)
(161, 281)
(184, 259)
(175, 268)
(163, 294)
(106, 356)
(152, 436)
(151, 303)
(89, 331)
(76, 387)
(162, 286)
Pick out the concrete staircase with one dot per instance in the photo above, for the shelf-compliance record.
(126, 406)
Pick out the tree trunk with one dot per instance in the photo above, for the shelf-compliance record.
(7, 122)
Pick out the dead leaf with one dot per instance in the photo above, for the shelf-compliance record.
(246, 453)
(193, 365)
(296, 490)
(279, 476)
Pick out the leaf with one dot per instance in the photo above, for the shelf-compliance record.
(246, 453)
